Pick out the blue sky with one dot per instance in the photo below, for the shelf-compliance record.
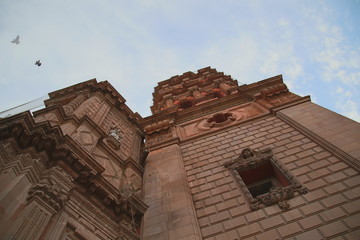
(135, 44)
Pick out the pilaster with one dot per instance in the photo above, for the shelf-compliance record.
(45, 199)
(171, 214)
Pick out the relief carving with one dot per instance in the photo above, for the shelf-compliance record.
(278, 196)
(114, 138)
(218, 120)
(50, 189)
(263, 179)
(221, 119)
(249, 159)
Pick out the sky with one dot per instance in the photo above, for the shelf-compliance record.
(135, 44)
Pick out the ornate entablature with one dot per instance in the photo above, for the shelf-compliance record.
(263, 179)
(190, 89)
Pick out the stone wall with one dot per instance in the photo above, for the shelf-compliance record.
(330, 208)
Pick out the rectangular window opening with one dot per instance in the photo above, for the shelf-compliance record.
(262, 178)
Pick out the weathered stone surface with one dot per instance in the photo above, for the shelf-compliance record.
(80, 168)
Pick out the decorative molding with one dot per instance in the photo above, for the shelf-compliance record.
(74, 104)
(190, 89)
(53, 188)
(28, 163)
(159, 126)
(220, 120)
(250, 159)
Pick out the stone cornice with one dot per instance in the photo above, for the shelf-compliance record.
(254, 88)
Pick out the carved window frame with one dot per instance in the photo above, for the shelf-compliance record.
(251, 159)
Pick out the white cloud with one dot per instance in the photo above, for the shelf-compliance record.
(350, 109)
(338, 60)
(283, 23)
(143, 42)
(343, 92)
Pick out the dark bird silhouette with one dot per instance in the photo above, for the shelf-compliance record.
(16, 40)
(38, 63)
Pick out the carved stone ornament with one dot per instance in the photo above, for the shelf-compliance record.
(219, 120)
(53, 192)
(114, 138)
(126, 189)
(53, 195)
(249, 160)
(278, 196)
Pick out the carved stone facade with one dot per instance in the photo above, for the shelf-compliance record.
(215, 160)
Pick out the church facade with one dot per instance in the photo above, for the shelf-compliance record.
(215, 160)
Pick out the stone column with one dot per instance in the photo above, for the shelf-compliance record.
(45, 199)
(171, 213)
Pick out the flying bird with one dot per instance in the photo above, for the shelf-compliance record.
(38, 63)
(16, 40)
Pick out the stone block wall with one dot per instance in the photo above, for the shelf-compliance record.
(331, 208)
(336, 129)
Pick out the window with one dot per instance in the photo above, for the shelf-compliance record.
(220, 118)
(263, 179)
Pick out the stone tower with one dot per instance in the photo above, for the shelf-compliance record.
(215, 160)
(247, 162)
